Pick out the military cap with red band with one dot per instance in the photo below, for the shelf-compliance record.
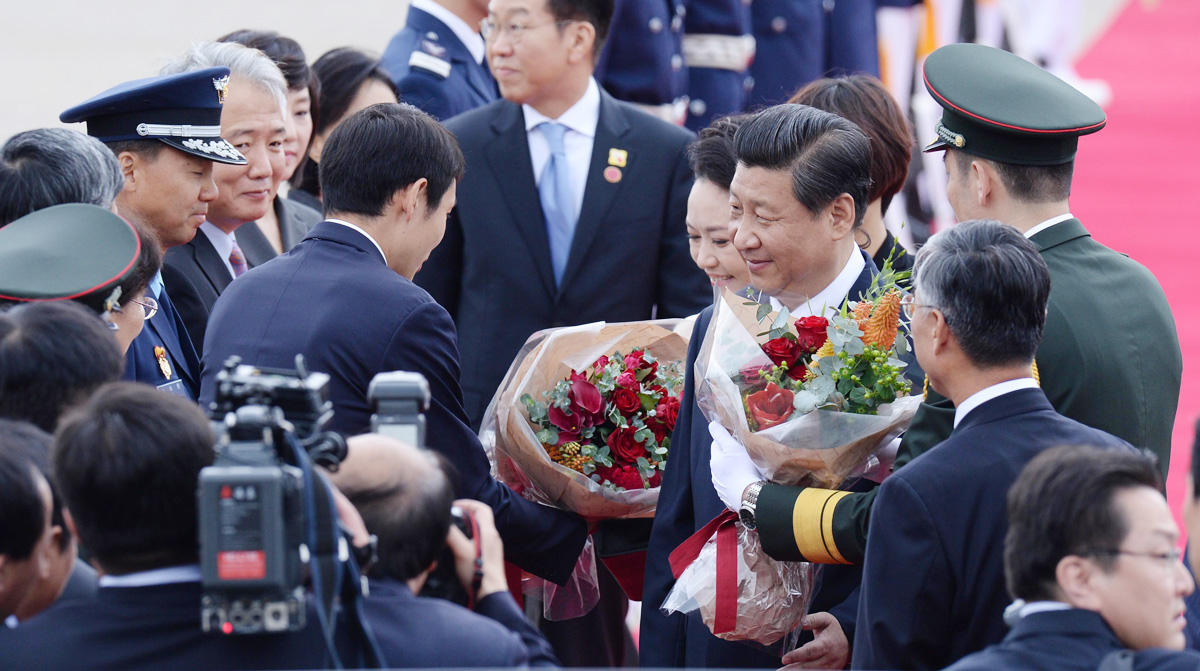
(998, 106)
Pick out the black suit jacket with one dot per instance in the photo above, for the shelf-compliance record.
(629, 258)
(1067, 640)
(195, 274)
(421, 632)
(334, 300)
(295, 221)
(933, 580)
(156, 627)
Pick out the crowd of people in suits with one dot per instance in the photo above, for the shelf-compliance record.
(517, 165)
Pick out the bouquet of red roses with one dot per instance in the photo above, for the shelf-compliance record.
(813, 398)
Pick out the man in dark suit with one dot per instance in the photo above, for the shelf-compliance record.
(1092, 558)
(197, 272)
(168, 168)
(573, 204)
(343, 298)
(405, 498)
(933, 579)
(807, 259)
(436, 60)
(127, 464)
(25, 503)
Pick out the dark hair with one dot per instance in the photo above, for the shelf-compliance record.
(127, 463)
(991, 285)
(147, 149)
(826, 154)
(863, 100)
(292, 62)
(22, 511)
(711, 155)
(410, 514)
(52, 166)
(52, 356)
(382, 149)
(149, 262)
(31, 442)
(596, 12)
(1027, 183)
(341, 73)
(1062, 505)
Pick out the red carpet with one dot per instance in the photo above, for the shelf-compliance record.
(1133, 177)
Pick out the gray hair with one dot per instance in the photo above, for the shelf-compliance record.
(52, 166)
(242, 61)
(991, 285)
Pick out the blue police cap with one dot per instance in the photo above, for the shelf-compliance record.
(73, 251)
(182, 110)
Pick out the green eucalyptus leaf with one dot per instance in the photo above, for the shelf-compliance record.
(763, 311)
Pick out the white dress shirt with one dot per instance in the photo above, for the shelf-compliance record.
(467, 34)
(368, 235)
(984, 395)
(580, 120)
(222, 242)
(829, 300)
(159, 576)
(1048, 223)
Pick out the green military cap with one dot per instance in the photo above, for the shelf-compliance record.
(75, 251)
(999, 106)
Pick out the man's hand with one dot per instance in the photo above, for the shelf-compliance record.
(829, 648)
(732, 469)
(491, 550)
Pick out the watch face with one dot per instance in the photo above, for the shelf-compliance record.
(747, 518)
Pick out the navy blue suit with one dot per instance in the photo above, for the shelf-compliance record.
(629, 257)
(933, 579)
(1067, 640)
(333, 299)
(420, 632)
(167, 330)
(155, 627)
(686, 502)
(195, 274)
(425, 83)
(642, 61)
(798, 41)
(714, 91)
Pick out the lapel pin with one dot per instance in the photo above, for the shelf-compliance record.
(160, 353)
(612, 174)
(617, 158)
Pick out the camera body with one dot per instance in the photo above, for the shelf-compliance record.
(400, 400)
(443, 582)
(254, 557)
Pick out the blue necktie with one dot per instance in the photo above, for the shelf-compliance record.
(554, 190)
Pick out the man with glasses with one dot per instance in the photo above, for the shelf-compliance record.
(933, 579)
(1092, 558)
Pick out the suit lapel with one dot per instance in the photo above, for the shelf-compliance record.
(167, 325)
(512, 166)
(863, 283)
(599, 194)
(210, 262)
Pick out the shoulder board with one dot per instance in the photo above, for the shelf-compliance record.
(431, 64)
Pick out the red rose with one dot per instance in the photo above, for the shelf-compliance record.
(623, 476)
(635, 360)
(657, 389)
(660, 430)
(624, 448)
(628, 380)
(771, 406)
(782, 351)
(656, 479)
(626, 401)
(797, 371)
(811, 333)
(601, 362)
(751, 378)
(667, 411)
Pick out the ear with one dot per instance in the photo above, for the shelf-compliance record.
(582, 37)
(318, 143)
(1076, 578)
(841, 215)
(70, 522)
(941, 335)
(130, 164)
(985, 182)
(408, 200)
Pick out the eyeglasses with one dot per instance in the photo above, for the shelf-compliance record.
(491, 30)
(909, 305)
(1169, 558)
(149, 306)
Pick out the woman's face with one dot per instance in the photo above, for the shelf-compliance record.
(129, 320)
(300, 113)
(709, 239)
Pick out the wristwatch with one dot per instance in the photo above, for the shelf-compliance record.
(749, 504)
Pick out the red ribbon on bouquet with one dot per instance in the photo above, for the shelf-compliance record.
(725, 617)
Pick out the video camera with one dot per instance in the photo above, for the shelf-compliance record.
(255, 524)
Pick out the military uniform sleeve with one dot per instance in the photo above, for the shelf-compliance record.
(906, 596)
(540, 539)
(426, 93)
(823, 526)
(931, 425)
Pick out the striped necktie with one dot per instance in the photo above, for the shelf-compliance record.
(237, 260)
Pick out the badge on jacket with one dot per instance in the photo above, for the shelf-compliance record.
(160, 355)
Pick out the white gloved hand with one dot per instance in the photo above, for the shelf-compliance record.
(732, 469)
